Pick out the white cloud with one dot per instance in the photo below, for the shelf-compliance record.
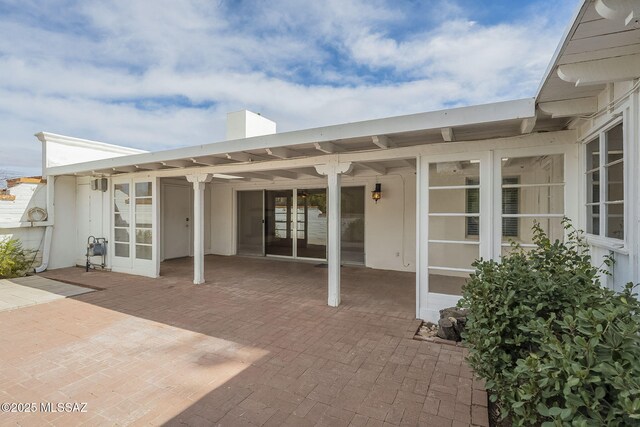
(125, 72)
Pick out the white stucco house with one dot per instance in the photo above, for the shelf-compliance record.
(455, 184)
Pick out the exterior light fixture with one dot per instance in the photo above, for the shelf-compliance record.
(376, 194)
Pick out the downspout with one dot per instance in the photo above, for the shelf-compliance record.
(48, 233)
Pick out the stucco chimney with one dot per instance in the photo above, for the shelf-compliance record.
(245, 124)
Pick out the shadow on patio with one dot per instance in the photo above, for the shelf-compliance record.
(271, 351)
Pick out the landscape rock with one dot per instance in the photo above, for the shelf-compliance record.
(452, 323)
(453, 312)
(447, 329)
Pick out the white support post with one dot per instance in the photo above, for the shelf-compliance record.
(199, 181)
(333, 172)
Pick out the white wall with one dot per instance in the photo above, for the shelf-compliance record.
(14, 221)
(92, 214)
(59, 150)
(627, 259)
(222, 221)
(390, 224)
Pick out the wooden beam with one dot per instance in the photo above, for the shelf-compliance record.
(239, 157)
(208, 160)
(102, 172)
(328, 147)
(308, 172)
(125, 169)
(150, 166)
(256, 175)
(377, 167)
(284, 174)
(547, 139)
(527, 125)
(280, 152)
(600, 71)
(178, 163)
(447, 134)
(409, 163)
(570, 107)
(382, 141)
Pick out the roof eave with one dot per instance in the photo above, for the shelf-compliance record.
(455, 117)
(568, 32)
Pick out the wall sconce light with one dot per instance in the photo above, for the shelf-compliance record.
(376, 194)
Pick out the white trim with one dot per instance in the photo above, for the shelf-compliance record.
(454, 214)
(568, 33)
(458, 242)
(419, 233)
(534, 215)
(615, 245)
(454, 187)
(462, 270)
(86, 143)
(479, 114)
(549, 184)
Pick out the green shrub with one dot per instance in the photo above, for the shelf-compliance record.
(15, 261)
(554, 347)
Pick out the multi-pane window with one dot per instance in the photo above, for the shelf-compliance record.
(605, 184)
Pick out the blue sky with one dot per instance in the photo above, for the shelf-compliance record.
(162, 74)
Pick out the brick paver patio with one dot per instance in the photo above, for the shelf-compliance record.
(256, 345)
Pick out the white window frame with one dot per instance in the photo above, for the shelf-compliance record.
(601, 240)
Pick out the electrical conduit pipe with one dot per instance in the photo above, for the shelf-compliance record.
(46, 249)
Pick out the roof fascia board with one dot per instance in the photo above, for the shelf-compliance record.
(568, 33)
(565, 137)
(86, 143)
(478, 114)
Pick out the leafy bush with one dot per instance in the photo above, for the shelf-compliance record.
(14, 259)
(554, 347)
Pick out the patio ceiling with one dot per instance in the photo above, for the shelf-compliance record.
(495, 120)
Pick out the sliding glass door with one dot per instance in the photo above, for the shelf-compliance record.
(311, 224)
(279, 222)
(250, 235)
(352, 227)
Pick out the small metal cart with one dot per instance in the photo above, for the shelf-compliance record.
(96, 246)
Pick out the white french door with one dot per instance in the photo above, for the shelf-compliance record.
(134, 231)
(454, 225)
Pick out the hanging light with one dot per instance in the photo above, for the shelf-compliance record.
(376, 194)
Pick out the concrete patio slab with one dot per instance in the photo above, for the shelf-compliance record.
(256, 345)
(32, 290)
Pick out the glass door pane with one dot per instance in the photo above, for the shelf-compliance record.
(250, 220)
(278, 227)
(532, 192)
(352, 227)
(121, 220)
(311, 217)
(144, 220)
(454, 224)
